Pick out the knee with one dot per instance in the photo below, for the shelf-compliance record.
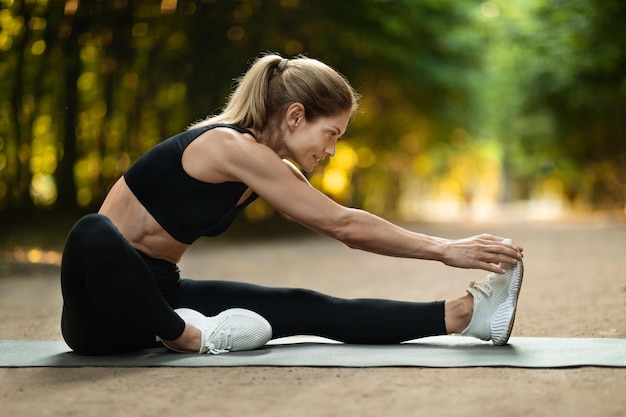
(89, 229)
(90, 222)
(90, 225)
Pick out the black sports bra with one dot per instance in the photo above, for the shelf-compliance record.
(184, 206)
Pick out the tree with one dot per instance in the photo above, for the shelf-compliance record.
(583, 87)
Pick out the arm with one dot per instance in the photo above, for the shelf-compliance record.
(276, 182)
(359, 229)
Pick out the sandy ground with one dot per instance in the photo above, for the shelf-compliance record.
(575, 286)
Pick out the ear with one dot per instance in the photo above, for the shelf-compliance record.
(294, 115)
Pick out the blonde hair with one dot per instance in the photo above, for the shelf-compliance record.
(272, 84)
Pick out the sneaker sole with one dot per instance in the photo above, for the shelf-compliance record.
(502, 321)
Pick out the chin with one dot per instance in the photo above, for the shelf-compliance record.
(306, 168)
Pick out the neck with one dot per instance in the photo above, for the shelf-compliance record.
(272, 141)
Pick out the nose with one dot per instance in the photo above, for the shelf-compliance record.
(330, 150)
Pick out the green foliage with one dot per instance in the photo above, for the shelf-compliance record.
(583, 86)
(537, 86)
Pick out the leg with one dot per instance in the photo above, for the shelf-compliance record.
(459, 313)
(111, 302)
(299, 311)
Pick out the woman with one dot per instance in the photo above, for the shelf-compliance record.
(120, 283)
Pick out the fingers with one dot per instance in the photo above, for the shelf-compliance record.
(511, 257)
(495, 252)
(497, 245)
(492, 268)
(484, 252)
(491, 238)
(507, 254)
(492, 262)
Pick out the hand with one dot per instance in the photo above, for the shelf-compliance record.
(481, 252)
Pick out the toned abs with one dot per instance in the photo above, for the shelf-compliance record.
(138, 226)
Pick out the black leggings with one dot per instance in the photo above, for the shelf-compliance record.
(117, 299)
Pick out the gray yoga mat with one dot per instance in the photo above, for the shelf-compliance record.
(436, 352)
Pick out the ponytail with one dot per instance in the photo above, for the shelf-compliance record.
(273, 83)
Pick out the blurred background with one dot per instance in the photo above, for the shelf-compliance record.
(471, 111)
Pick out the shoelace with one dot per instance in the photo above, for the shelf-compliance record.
(225, 343)
(483, 286)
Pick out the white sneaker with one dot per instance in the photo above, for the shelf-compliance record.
(495, 303)
(231, 330)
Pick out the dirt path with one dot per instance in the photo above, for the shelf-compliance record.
(575, 286)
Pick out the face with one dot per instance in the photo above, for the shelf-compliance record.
(308, 143)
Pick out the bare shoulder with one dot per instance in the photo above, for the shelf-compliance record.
(212, 155)
(226, 155)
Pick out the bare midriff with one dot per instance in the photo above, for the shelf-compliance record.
(138, 226)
